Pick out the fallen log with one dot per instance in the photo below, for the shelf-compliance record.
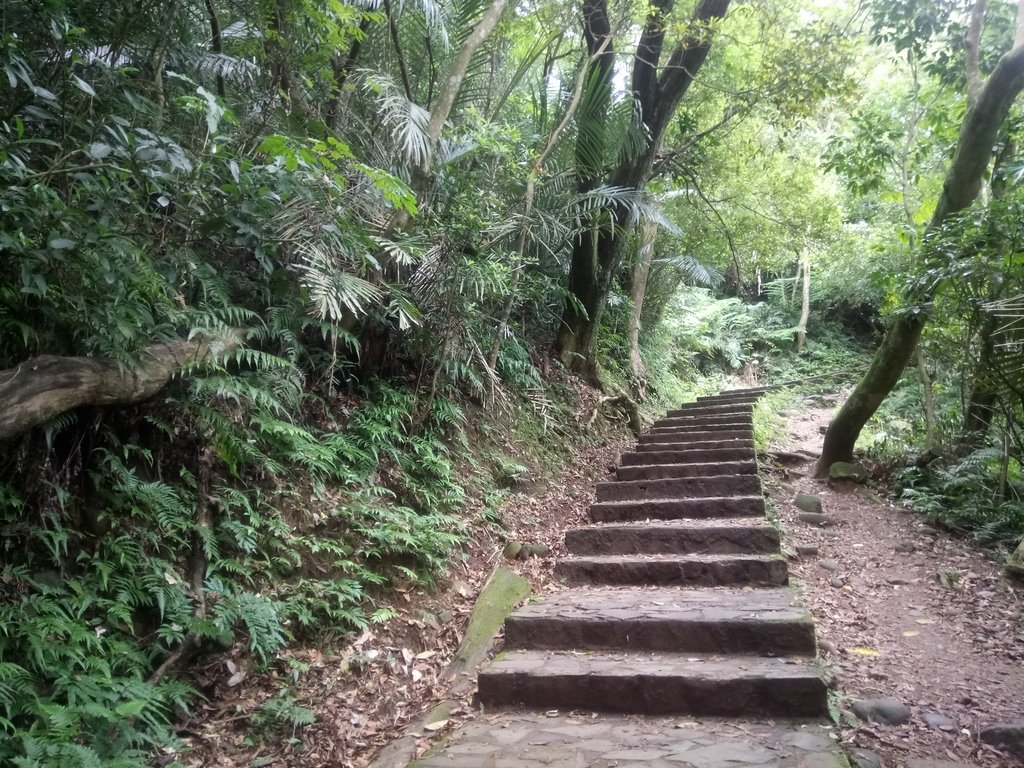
(46, 386)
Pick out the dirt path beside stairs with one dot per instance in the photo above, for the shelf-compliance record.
(903, 611)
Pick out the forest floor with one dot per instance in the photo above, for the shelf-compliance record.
(902, 610)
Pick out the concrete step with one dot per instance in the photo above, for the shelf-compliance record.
(699, 409)
(660, 471)
(677, 509)
(746, 433)
(683, 454)
(662, 684)
(712, 420)
(679, 488)
(713, 536)
(674, 570)
(757, 623)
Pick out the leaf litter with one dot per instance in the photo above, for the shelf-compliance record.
(962, 658)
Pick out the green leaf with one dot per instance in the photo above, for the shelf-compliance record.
(83, 86)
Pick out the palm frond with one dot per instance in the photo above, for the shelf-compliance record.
(693, 271)
(333, 290)
(405, 120)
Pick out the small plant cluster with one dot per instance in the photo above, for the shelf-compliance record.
(981, 495)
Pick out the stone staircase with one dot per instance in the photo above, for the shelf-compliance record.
(676, 604)
(678, 601)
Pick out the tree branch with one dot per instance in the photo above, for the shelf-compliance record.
(972, 51)
(44, 387)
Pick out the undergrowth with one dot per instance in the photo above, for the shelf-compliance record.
(981, 494)
(241, 510)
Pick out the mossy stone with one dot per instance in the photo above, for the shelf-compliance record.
(847, 470)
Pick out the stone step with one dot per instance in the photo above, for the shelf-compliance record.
(525, 739)
(677, 509)
(675, 570)
(756, 623)
(713, 536)
(660, 471)
(746, 399)
(698, 409)
(680, 454)
(746, 433)
(734, 442)
(746, 392)
(662, 684)
(679, 488)
(688, 429)
(709, 420)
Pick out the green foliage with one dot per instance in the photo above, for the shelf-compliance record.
(767, 421)
(981, 494)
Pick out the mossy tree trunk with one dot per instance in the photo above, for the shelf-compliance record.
(962, 184)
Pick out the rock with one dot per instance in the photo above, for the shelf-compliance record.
(1006, 736)
(905, 547)
(808, 503)
(534, 550)
(512, 550)
(846, 470)
(1015, 562)
(815, 518)
(938, 720)
(837, 583)
(829, 565)
(887, 711)
(899, 581)
(807, 550)
(864, 758)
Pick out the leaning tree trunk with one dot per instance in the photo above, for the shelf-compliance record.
(46, 386)
(962, 184)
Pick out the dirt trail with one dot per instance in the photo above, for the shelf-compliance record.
(903, 610)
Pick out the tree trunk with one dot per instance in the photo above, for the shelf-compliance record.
(929, 399)
(805, 300)
(596, 255)
(886, 368)
(637, 293)
(982, 401)
(441, 110)
(531, 189)
(46, 386)
(962, 184)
